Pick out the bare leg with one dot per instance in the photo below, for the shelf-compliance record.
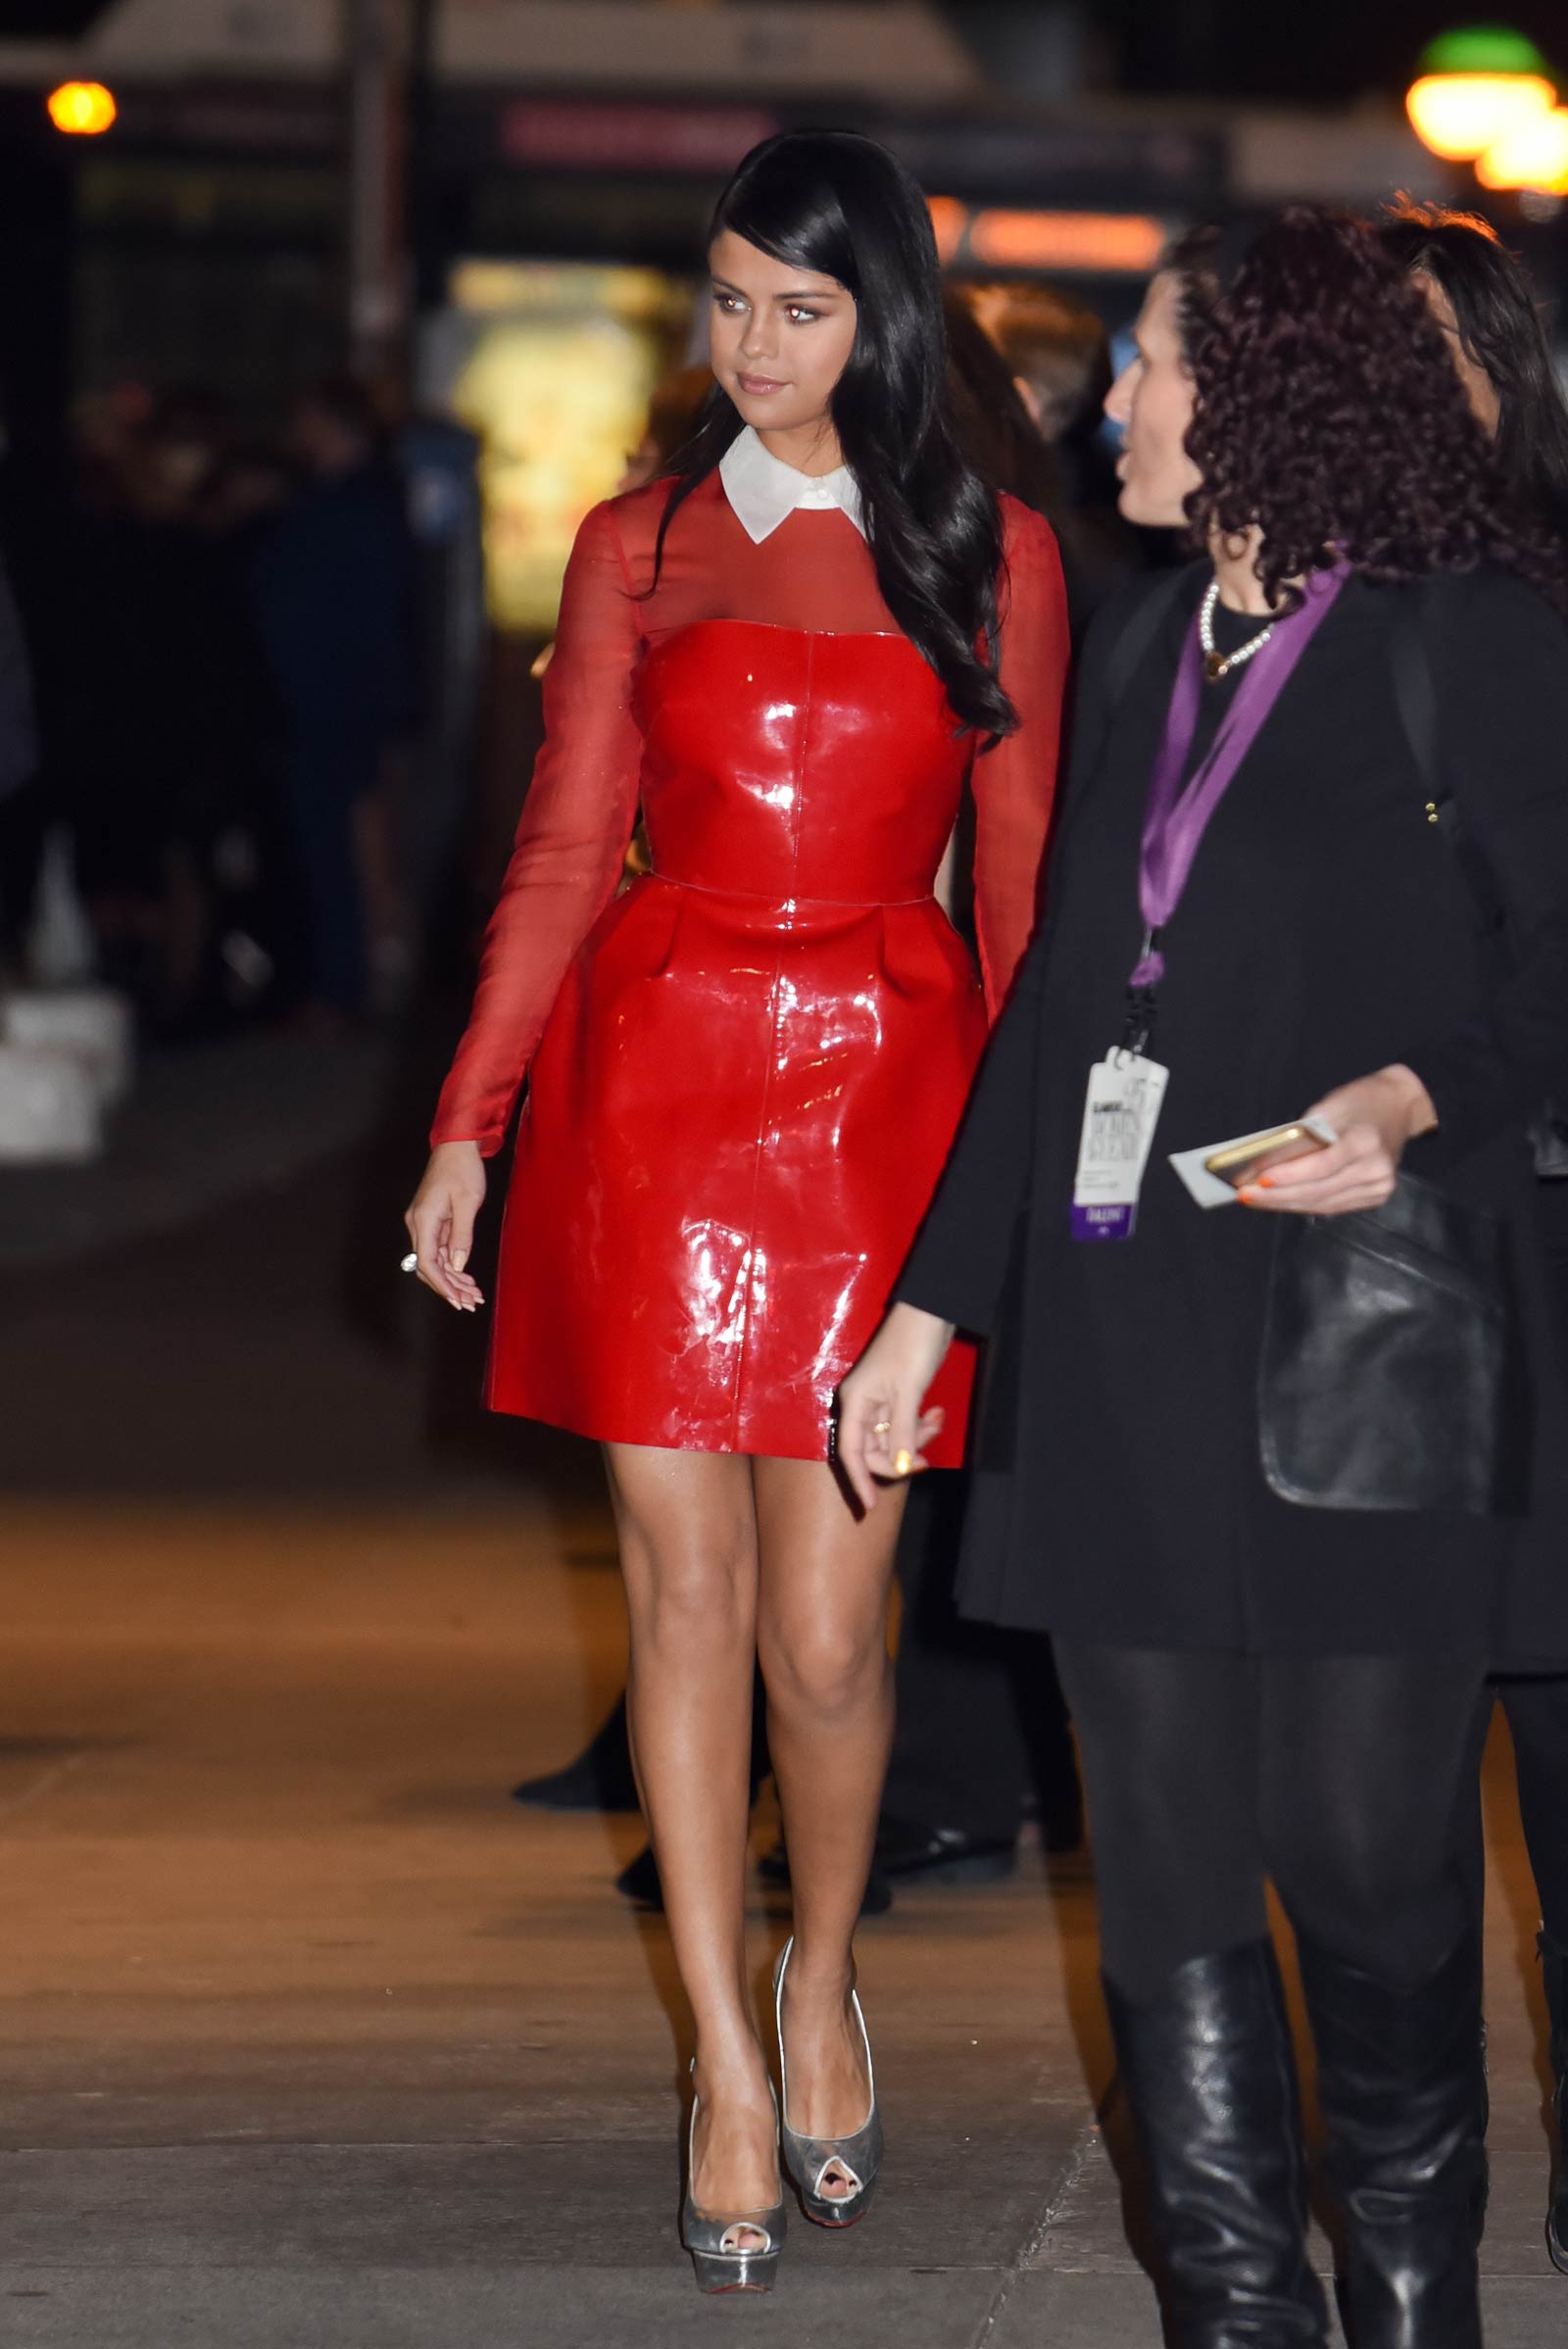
(822, 1640)
(688, 1551)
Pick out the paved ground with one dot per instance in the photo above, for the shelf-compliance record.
(308, 2038)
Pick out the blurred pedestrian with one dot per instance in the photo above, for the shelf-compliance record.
(1277, 1555)
(259, 920)
(1058, 352)
(334, 585)
(744, 1072)
(1484, 305)
(138, 723)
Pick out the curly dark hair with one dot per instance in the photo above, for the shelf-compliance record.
(1329, 415)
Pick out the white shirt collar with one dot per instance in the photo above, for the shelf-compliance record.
(763, 491)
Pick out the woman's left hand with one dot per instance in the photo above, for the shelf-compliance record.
(1374, 1118)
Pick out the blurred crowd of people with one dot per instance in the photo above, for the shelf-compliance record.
(222, 634)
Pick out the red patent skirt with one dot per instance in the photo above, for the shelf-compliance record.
(734, 1123)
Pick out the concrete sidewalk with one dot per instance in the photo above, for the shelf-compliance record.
(310, 2038)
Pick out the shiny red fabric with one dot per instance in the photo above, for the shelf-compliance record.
(744, 1071)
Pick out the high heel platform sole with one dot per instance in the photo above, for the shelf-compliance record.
(839, 2217)
(720, 2272)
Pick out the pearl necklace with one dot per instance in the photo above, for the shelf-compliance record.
(1213, 666)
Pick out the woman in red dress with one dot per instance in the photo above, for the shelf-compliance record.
(744, 1073)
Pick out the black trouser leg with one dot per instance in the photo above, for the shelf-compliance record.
(1340, 1778)
(1208, 2071)
(959, 1755)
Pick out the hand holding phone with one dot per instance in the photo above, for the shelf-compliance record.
(1240, 1163)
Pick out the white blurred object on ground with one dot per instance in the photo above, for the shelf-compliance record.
(50, 1107)
(90, 1026)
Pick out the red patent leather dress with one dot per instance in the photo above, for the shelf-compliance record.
(745, 1070)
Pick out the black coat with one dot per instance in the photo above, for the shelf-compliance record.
(1326, 931)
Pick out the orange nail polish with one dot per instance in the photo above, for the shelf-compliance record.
(1265, 1182)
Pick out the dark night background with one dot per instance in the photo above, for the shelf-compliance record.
(1237, 48)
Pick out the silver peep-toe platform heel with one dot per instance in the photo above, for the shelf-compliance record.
(809, 2159)
(722, 2263)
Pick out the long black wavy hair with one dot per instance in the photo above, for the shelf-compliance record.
(1329, 415)
(838, 204)
(1500, 328)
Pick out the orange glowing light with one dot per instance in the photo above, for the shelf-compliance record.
(1114, 244)
(1459, 116)
(82, 108)
(1533, 155)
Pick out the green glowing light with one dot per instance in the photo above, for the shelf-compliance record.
(1482, 49)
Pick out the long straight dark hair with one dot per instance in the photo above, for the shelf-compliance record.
(838, 204)
(1500, 326)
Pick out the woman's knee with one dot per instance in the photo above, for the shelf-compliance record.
(822, 1667)
(1392, 1905)
(698, 1593)
(687, 1535)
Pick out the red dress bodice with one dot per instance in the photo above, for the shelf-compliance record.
(746, 689)
(796, 766)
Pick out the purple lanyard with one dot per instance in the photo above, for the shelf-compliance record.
(1175, 820)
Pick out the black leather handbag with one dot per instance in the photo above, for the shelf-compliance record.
(1393, 1373)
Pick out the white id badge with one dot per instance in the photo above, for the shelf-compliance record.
(1121, 1110)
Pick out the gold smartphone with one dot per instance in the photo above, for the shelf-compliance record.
(1241, 1162)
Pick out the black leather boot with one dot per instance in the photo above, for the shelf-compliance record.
(1400, 2085)
(1210, 2077)
(1554, 1970)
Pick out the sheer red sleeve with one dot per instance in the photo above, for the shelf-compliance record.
(1016, 783)
(571, 843)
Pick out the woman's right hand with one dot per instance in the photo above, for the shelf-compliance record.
(440, 1222)
(882, 1429)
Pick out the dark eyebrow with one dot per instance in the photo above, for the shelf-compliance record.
(803, 298)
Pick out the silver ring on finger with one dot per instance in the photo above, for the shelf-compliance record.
(411, 1262)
